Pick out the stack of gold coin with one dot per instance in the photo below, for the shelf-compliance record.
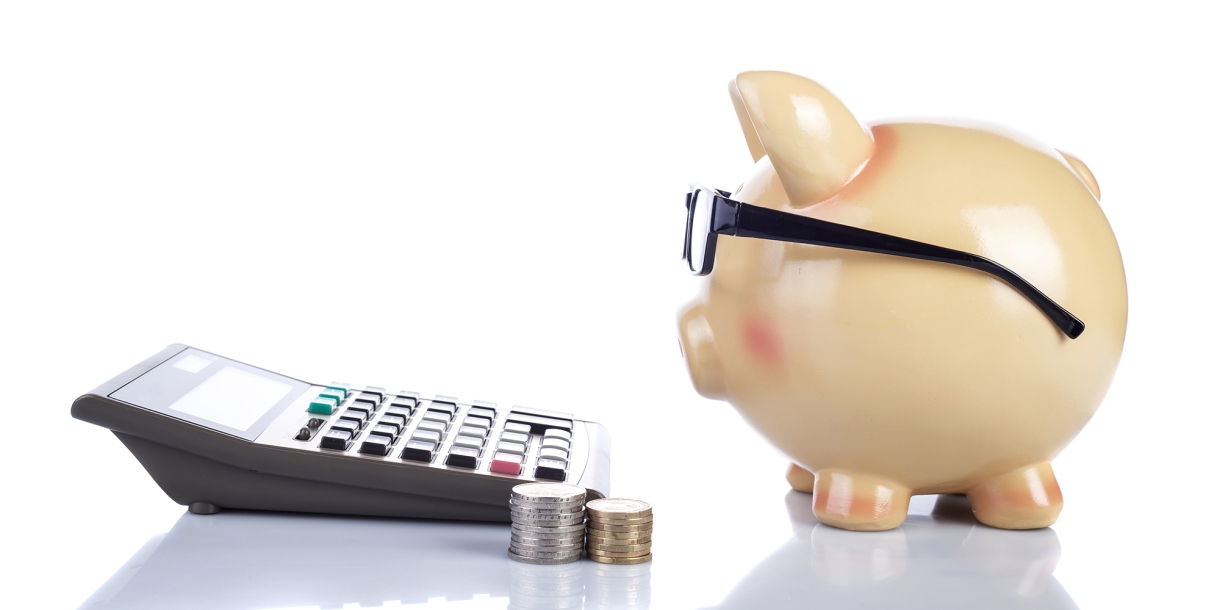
(618, 531)
(548, 523)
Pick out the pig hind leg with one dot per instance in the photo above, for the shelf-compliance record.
(859, 502)
(1026, 498)
(800, 479)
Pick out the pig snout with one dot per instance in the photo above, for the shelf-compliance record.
(699, 348)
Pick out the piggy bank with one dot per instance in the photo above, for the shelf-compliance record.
(881, 377)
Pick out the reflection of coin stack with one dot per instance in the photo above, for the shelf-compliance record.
(548, 523)
(556, 587)
(619, 531)
(617, 586)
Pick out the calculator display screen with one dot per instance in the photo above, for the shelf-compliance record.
(232, 397)
(213, 392)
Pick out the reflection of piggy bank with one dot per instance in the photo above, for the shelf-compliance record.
(883, 377)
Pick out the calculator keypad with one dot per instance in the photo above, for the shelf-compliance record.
(443, 433)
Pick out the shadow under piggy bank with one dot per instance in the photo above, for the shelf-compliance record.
(943, 559)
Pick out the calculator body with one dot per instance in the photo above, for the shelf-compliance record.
(215, 433)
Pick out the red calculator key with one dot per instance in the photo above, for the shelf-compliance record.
(507, 463)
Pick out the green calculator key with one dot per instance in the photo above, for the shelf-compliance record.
(338, 395)
(324, 405)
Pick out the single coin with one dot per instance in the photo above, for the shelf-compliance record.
(547, 522)
(617, 548)
(546, 541)
(607, 527)
(548, 492)
(619, 535)
(524, 510)
(564, 539)
(619, 508)
(639, 521)
(543, 560)
(555, 506)
(592, 552)
(549, 529)
(621, 560)
(543, 521)
(550, 536)
(536, 553)
(538, 514)
(519, 547)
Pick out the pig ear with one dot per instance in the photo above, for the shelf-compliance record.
(815, 144)
(743, 117)
(1082, 170)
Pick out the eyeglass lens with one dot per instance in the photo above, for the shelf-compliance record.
(701, 211)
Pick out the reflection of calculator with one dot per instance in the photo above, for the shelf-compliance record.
(215, 433)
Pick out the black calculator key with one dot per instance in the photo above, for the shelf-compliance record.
(429, 424)
(473, 442)
(511, 427)
(376, 444)
(394, 419)
(557, 433)
(481, 422)
(398, 410)
(315, 422)
(446, 407)
(464, 457)
(472, 431)
(438, 415)
(418, 451)
(551, 470)
(387, 429)
(304, 434)
(350, 425)
(426, 435)
(551, 453)
(336, 439)
(360, 412)
(490, 414)
(516, 437)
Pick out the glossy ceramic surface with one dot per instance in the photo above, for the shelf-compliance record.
(883, 377)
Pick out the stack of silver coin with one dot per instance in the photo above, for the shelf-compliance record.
(619, 531)
(548, 523)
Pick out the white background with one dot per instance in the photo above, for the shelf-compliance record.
(484, 200)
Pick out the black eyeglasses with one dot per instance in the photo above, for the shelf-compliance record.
(710, 213)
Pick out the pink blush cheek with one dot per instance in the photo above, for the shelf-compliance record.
(761, 340)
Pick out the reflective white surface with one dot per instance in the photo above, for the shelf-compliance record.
(940, 558)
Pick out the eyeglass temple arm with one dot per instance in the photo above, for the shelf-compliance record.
(745, 220)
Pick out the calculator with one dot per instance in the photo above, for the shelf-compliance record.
(215, 433)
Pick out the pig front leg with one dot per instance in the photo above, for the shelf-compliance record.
(1026, 498)
(859, 502)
